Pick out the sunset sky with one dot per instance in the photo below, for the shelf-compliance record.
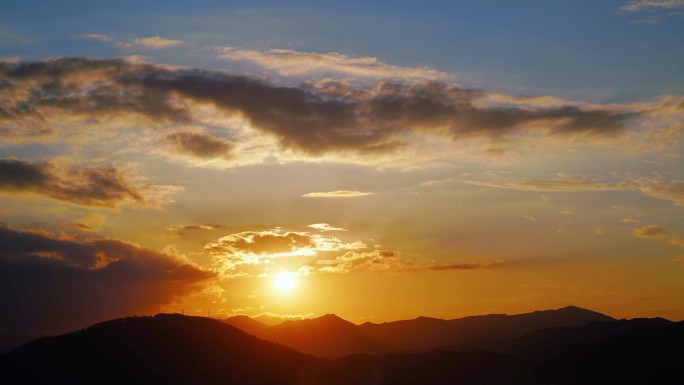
(379, 160)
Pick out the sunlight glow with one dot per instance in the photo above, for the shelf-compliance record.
(284, 282)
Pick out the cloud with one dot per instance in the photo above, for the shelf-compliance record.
(679, 258)
(80, 226)
(367, 261)
(296, 63)
(663, 7)
(337, 194)
(655, 186)
(50, 283)
(466, 266)
(182, 229)
(651, 5)
(90, 222)
(312, 120)
(260, 253)
(263, 247)
(658, 232)
(96, 36)
(199, 144)
(155, 42)
(94, 186)
(388, 261)
(324, 227)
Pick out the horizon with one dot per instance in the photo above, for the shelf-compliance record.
(379, 162)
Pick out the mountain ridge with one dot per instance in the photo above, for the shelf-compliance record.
(177, 349)
(330, 336)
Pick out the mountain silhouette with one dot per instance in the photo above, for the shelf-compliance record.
(164, 349)
(176, 349)
(332, 337)
(328, 336)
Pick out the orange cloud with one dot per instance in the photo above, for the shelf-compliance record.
(337, 194)
(651, 231)
(658, 232)
(324, 227)
(246, 248)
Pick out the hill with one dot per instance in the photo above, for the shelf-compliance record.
(164, 349)
(175, 349)
(332, 337)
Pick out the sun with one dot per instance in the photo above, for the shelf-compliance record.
(284, 282)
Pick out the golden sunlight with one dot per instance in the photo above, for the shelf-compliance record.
(284, 282)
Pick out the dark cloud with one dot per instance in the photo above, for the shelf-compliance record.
(199, 144)
(80, 226)
(651, 231)
(464, 266)
(50, 284)
(309, 119)
(177, 231)
(104, 186)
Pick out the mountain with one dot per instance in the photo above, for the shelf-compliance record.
(11, 341)
(625, 352)
(247, 325)
(638, 351)
(176, 349)
(423, 333)
(328, 336)
(332, 337)
(164, 349)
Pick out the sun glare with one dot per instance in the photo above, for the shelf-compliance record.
(284, 282)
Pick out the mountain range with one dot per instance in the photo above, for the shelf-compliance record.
(178, 349)
(332, 337)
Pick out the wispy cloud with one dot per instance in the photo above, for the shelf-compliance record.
(651, 5)
(337, 194)
(155, 42)
(296, 63)
(663, 8)
(655, 186)
(88, 186)
(324, 227)
(466, 266)
(96, 36)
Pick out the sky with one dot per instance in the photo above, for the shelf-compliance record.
(379, 160)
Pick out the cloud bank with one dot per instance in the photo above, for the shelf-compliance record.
(94, 186)
(313, 120)
(60, 283)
